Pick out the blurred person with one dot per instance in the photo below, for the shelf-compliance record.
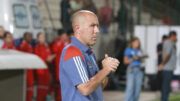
(89, 5)
(166, 20)
(63, 40)
(156, 80)
(105, 15)
(57, 47)
(66, 40)
(160, 48)
(80, 76)
(43, 75)
(168, 64)
(25, 46)
(1, 36)
(66, 12)
(58, 43)
(122, 18)
(8, 41)
(76, 5)
(159, 52)
(134, 74)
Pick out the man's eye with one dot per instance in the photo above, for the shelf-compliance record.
(92, 25)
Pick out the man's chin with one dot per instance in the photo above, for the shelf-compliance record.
(92, 44)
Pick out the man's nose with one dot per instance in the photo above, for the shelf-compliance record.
(96, 30)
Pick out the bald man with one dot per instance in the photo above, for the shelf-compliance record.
(80, 77)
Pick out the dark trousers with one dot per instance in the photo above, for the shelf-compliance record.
(159, 80)
(166, 81)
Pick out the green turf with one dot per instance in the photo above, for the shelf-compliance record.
(172, 98)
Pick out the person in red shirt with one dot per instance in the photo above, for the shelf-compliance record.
(8, 41)
(59, 42)
(57, 47)
(66, 41)
(25, 46)
(43, 75)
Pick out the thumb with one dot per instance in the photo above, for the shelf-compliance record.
(106, 56)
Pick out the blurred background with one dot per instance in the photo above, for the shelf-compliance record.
(22, 22)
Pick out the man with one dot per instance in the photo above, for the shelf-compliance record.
(160, 48)
(105, 17)
(158, 78)
(80, 77)
(57, 48)
(43, 75)
(25, 46)
(168, 64)
(58, 43)
(1, 36)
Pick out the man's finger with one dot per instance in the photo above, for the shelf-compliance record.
(106, 56)
(113, 70)
(114, 66)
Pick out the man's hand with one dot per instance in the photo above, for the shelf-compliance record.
(165, 59)
(50, 58)
(110, 64)
(160, 67)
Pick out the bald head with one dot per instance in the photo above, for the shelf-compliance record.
(86, 27)
(81, 16)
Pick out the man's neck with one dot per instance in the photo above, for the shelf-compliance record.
(81, 41)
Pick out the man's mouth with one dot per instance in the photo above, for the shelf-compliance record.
(94, 38)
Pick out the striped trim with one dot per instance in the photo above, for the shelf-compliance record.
(80, 69)
(83, 68)
(95, 62)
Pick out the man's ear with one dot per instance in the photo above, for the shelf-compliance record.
(77, 28)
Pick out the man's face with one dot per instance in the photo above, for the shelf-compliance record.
(28, 37)
(41, 38)
(64, 37)
(164, 40)
(89, 30)
(175, 38)
(9, 38)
